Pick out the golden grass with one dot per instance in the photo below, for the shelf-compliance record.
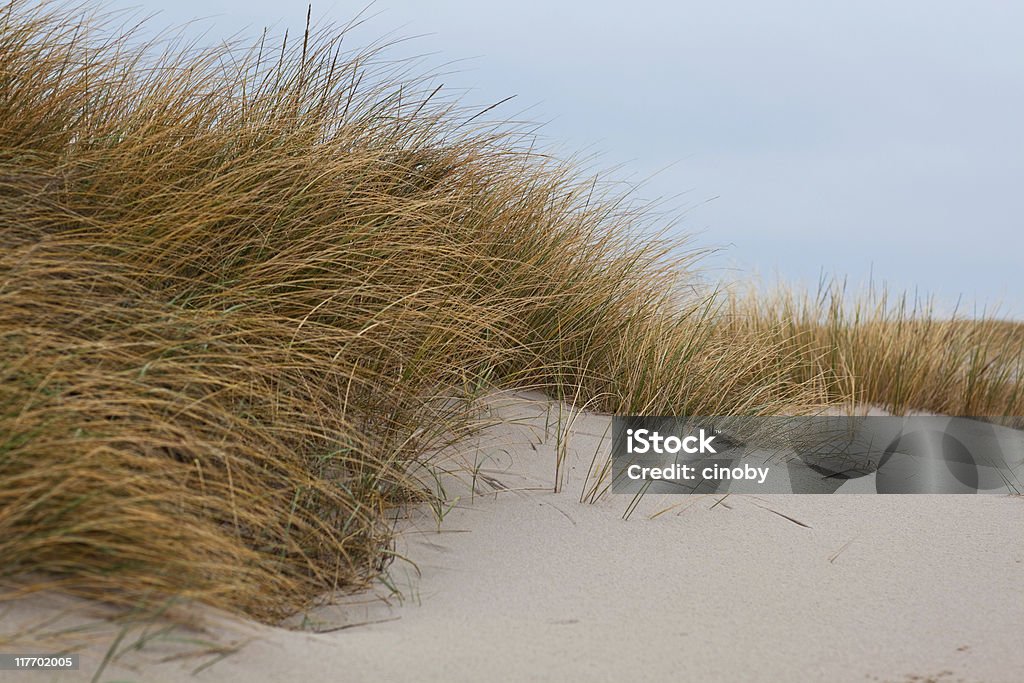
(245, 293)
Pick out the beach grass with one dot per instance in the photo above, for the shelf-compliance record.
(895, 352)
(247, 292)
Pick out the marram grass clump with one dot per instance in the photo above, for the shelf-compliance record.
(245, 294)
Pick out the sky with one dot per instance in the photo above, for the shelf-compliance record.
(861, 140)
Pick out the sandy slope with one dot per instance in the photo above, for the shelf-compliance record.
(526, 584)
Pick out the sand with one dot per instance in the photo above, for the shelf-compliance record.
(524, 583)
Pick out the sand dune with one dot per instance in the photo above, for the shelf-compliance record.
(525, 583)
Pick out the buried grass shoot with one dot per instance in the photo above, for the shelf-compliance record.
(246, 292)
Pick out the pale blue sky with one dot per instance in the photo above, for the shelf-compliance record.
(880, 137)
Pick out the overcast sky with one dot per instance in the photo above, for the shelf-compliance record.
(849, 138)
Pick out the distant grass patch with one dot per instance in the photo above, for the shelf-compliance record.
(892, 352)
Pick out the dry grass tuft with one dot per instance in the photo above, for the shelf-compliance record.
(244, 294)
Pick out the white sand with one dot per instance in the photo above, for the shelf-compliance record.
(527, 584)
